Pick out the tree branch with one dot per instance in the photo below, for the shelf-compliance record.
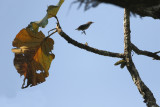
(86, 47)
(143, 89)
(146, 53)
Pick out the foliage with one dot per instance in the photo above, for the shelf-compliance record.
(32, 53)
(33, 50)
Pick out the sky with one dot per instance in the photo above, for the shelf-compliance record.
(78, 78)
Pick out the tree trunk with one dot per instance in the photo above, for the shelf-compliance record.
(143, 89)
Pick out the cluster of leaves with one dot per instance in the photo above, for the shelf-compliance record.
(33, 50)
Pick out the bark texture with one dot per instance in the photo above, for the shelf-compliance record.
(143, 89)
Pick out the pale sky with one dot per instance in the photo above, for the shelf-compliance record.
(79, 78)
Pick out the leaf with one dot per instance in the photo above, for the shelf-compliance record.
(42, 55)
(32, 54)
(123, 65)
(53, 10)
(33, 26)
(28, 38)
(120, 62)
(42, 23)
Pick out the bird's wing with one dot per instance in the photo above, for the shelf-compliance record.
(81, 27)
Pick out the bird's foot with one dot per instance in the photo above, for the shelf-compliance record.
(84, 32)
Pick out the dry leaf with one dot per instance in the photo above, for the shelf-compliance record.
(32, 53)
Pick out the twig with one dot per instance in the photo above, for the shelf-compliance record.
(88, 48)
(51, 30)
(51, 33)
(146, 53)
(157, 52)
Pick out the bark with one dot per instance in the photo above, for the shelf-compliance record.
(143, 89)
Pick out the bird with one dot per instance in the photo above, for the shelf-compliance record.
(84, 27)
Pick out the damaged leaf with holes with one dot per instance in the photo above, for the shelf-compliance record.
(32, 54)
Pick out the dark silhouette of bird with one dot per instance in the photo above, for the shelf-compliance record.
(84, 27)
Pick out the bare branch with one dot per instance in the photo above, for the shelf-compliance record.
(51, 30)
(157, 52)
(146, 53)
(143, 89)
(51, 33)
(86, 47)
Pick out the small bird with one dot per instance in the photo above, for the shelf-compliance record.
(84, 27)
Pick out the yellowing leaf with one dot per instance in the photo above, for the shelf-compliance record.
(28, 38)
(52, 10)
(42, 55)
(32, 53)
(35, 26)
(120, 62)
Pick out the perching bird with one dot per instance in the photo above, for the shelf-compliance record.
(84, 27)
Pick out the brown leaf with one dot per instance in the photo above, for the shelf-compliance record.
(32, 53)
